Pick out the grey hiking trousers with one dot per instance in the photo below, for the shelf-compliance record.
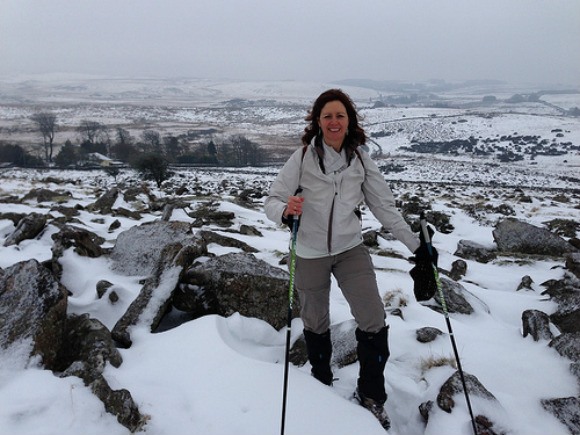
(355, 275)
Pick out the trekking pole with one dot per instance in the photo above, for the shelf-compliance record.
(289, 325)
(425, 233)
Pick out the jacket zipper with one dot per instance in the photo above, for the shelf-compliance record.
(329, 233)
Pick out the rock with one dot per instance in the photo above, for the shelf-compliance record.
(249, 230)
(46, 195)
(568, 345)
(28, 228)
(455, 298)
(237, 282)
(102, 287)
(119, 403)
(425, 409)
(514, 236)
(370, 239)
(537, 324)
(33, 307)
(104, 204)
(14, 217)
(567, 410)
(446, 401)
(84, 242)
(206, 215)
(526, 283)
(566, 293)
(575, 369)
(573, 264)
(155, 296)
(213, 237)
(123, 212)
(137, 250)
(484, 426)
(344, 346)
(453, 386)
(114, 226)
(458, 270)
(427, 334)
(68, 212)
(87, 347)
(563, 227)
(474, 251)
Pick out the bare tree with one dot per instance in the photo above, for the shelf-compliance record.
(91, 131)
(124, 136)
(151, 141)
(244, 152)
(172, 147)
(46, 123)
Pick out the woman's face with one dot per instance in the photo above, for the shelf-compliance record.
(333, 122)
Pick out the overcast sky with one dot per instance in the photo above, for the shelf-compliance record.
(519, 41)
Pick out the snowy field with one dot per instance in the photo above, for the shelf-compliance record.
(224, 375)
(221, 376)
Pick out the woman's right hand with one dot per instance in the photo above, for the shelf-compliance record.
(294, 206)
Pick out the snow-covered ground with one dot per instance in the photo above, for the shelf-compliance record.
(221, 376)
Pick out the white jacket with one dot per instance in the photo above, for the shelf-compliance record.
(329, 225)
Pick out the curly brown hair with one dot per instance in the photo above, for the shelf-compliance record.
(356, 135)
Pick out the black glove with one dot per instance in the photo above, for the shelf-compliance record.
(423, 274)
(422, 253)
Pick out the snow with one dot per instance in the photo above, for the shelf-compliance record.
(216, 375)
(220, 376)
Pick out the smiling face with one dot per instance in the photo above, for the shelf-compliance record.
(333, 122)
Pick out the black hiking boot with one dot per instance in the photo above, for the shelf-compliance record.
(376, 408)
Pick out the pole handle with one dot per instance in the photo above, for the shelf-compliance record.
(425, 233)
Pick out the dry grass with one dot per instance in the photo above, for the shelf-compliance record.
(395, 299)
(437, 361)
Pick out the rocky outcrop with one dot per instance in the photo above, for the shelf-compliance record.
(28, 228)
(104, 204)
(537, 324)
(567, 410)
(474, 251)
(207, 214)
(213, 237)
(514, 236)
(568, 345)
(32, 307)
(566, 294)
(119, 403)
(454, 386)
(137, 250)
(88, 347)
(47, 195)
(231, 283)
(156, 295)
(457, 299)
(573, 264)
(450, 391)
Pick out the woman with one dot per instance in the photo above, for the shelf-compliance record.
(334, 176)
